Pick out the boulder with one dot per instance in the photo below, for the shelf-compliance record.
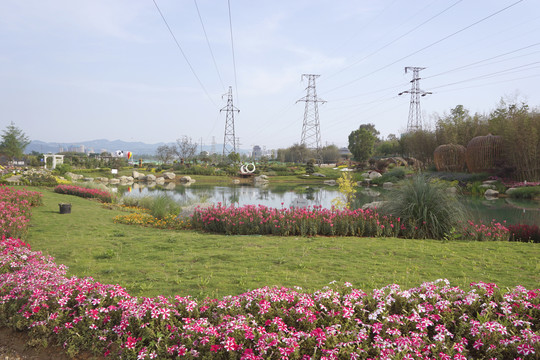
(136, 175)
(387, 185)
(160, 180)
(125, 179)
(374, 175)
(260, 179)
(88, 179)
(169, 186)
(150, 178)
(487, 186)
(169, 175)
(510, 190)
(235, 181)
(370, 192)
(74, 176)
(373, 205)
(102, 179)
(330, 182)
(490, 193)
(489, 182)
(318, 175)
(114, 181)
(186, 179)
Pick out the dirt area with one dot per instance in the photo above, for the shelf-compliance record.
(13, 347)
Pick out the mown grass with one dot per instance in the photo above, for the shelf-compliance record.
(150, 262)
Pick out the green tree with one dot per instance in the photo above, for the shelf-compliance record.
(362, 142)
(330, 154)
(14, 141)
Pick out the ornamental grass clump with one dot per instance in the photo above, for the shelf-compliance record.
(426, 207)
(432, 321)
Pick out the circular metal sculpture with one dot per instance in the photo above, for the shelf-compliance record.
(450, 157)
(484, 154)
(244, 169)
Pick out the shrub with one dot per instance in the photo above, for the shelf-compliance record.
(426, 206)
(394, 175)
(160, 206)
(164, 206)
(104, 196)
(15, 210)
(526, 192)
(524, 233)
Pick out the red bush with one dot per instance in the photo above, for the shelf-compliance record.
(524, 233)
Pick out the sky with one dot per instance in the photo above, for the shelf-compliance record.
(157, 70)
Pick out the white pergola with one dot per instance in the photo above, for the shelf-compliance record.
(56, 159)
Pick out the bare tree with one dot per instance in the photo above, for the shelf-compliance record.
(185, 148)
(166, 153)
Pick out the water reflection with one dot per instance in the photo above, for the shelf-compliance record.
(282, 195)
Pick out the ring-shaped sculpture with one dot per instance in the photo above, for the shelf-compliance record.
(244, 169)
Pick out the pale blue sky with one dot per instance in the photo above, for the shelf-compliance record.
(76, 70)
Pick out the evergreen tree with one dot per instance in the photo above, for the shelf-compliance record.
(14, 141)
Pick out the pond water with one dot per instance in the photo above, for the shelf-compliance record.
(513, 211)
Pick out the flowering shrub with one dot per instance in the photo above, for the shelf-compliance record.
(15, 210)
(101, 195)
(432, 321)
(318, 221)
(525, 233)
(495, 231)
(291, 222)
(168, 222)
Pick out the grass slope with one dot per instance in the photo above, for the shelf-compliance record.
(151, 262)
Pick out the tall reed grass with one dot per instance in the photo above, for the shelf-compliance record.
(427, 206)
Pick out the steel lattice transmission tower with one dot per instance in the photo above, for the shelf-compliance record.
(415, 115)
(311, 133)
(229, 139)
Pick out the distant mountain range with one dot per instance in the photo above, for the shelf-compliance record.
(100, 145)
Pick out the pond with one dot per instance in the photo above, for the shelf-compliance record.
(514, 211)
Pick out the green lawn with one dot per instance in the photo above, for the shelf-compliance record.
(150, 261)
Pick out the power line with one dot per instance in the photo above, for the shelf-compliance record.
(209, 47)
(232, 47)
(183, 54)
(489, 75)
(398, 38)
(428, 46)
(481, 61)
(487, 84)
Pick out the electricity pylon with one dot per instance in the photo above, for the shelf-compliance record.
(311, 133)
(415, 115)
(229, 139)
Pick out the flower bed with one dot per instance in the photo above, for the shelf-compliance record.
(101, 195)
(432, 321)
(524, 233)
(168, 222)
(318, 221)
(15, 210)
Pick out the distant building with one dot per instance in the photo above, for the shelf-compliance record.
(74, 148)
(256, 153)
(344, 153)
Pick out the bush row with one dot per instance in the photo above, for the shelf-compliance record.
(101, 195)
(434, 320)
(327, 222)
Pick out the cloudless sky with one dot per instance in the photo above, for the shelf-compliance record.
(77, 70)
